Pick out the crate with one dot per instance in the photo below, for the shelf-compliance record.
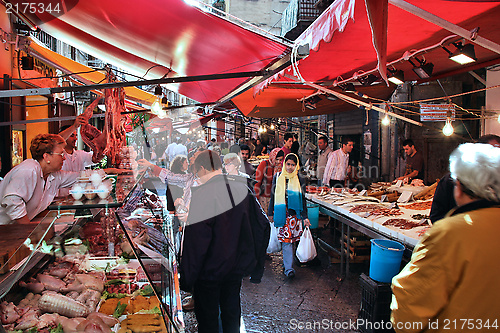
(375, 311)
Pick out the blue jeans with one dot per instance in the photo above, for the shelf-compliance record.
(288, 257)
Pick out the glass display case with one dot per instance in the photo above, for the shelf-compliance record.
(128, 236)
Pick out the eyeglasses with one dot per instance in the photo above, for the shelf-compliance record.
(60, 154)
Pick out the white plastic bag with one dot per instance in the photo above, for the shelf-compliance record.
(306, 251)
(274, 244)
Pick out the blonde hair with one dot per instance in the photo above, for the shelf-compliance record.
(233, 159)
(45, 143)
(477, 167)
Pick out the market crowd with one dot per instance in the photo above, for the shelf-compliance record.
(224, 207)
(226, 198)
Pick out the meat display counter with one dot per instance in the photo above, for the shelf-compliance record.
(129, 265)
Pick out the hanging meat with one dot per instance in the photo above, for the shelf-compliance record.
(92, 136)
(114, 121)
(110, 141)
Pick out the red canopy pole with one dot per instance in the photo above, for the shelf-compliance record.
(377, 11)
(221, 130)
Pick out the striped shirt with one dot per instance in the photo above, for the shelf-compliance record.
(336, 167)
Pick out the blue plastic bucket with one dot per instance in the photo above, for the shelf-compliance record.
(313, 214)
(385, 259)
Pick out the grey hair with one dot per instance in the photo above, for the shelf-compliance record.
(232, 158)
(477, 167)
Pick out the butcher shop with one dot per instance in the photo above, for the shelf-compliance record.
(186, 166)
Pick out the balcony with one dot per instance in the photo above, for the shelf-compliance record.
(297, 17)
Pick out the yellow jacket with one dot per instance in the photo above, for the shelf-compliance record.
(452, 283)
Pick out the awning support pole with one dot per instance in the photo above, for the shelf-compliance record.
(356, 101)
(481, 41)
(164, 80)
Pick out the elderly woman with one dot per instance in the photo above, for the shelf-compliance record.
(31, 186)
(451, 282)
(232, 164)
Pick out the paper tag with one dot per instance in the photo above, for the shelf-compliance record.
(362, 193)
(394, 205)
(399, 183)
(383, 198)
(406, 196)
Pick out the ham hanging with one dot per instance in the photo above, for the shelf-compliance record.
(114, 121)
(110, 141)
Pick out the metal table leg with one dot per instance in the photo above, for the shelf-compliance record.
(342, 252)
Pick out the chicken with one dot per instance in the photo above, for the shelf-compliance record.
(50, 282)
(48, 319)
(8, 313)
(28, 320)
(94, 325)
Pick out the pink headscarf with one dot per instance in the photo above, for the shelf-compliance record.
(272, 159)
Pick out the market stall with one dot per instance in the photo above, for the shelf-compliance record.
(372, 215)
(115, 269)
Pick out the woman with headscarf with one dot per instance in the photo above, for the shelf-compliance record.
(30, 187)
(288, 209)
(264, 176)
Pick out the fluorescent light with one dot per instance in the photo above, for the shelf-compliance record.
(424, 71)
(397, 77)
(464, 54)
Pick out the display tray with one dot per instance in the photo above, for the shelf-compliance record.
(408, 237)
(125, 185)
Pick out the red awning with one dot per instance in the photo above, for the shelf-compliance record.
(164, 37)
(342, 44)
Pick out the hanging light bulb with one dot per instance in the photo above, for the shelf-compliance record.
(498, 119)
(162, 113)
(156, 107)
(448, 128)
(386, 121)
(272, 125)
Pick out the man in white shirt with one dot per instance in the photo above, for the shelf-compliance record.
(76, 160)
(336, 167)
(179, 149)
(167, 155)
(324, 153)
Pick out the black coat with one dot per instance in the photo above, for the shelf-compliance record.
(227, 233)
(443, 200)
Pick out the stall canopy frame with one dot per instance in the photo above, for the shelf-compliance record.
(171, 38)
(343, 50)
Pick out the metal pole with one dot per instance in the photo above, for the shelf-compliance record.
(356, 101)
(481, 41)
(165, 80)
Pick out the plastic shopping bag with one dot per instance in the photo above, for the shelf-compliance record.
(306, 251)
(274, 244)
